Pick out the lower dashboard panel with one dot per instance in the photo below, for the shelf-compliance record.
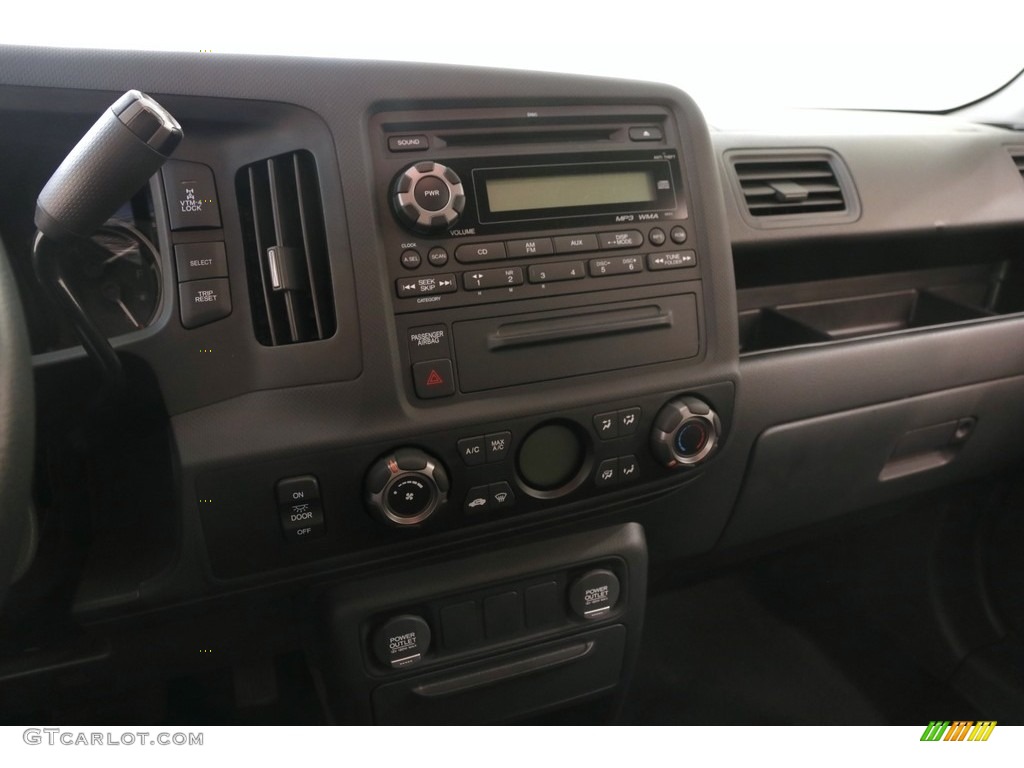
(492, 637)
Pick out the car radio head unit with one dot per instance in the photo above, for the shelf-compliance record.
(497, 195)
(528, 245)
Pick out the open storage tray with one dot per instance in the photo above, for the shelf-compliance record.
(789, 325)
(866, 315)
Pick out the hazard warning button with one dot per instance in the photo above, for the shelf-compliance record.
(433, 378)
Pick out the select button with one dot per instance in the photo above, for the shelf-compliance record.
(198, 261)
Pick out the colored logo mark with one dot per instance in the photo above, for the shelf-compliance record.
(959, 730)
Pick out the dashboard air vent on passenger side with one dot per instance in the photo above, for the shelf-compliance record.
(1018, 160)
(286, 254)
(790, 188)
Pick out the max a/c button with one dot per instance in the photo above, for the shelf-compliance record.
(433, 378)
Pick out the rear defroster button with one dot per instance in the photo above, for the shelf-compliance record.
(594, 594)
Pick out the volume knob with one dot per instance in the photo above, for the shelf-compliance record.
(428, 196)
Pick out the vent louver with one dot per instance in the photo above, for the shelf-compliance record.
(286, 254)
(1018, 160)
(784, 188)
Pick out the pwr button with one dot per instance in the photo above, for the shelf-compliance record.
(433, 378)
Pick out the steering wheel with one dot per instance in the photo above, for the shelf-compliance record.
(17, 428)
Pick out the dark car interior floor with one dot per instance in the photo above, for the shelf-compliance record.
(843, 629)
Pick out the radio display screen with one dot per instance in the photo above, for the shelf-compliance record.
(525, 193)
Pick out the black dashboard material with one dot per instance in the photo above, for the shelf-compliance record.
(374, 352)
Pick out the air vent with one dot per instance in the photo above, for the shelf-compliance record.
(286, 250)
(792, 188)
(1018, 160)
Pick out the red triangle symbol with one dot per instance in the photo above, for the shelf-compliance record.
(434, 379)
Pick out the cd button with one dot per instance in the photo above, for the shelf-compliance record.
(432, 193)
(471, 253)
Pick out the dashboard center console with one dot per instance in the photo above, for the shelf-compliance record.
(529, 253)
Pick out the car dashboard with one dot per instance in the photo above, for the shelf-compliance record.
(433, 373)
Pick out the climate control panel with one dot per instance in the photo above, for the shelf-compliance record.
(503, 473)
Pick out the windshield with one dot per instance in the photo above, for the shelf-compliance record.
(857, 55)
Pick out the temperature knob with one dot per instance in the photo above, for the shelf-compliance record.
(406, 487)
(428, 196)
(686, 432)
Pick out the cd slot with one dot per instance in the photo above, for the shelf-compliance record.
(528, 136)
(520, 349)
